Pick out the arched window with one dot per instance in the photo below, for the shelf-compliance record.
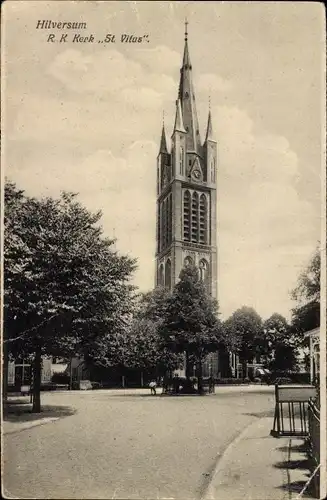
(169, 221)
(168, 275)
(161, 275)
(159, 229)
(188, 261)
(187, 216)
(181, 160)
(204, 273)
(195, 217)
(164, 224)
(213, 170)
(203, 233)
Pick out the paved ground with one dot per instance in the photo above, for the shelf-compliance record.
(128, 444)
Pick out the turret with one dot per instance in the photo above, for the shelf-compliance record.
(210, 152)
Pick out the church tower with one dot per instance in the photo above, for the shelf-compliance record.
(187, 192)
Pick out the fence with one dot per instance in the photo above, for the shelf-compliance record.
(314, 442)
(291, 410)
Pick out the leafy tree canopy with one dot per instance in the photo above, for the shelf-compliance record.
(244, 328)
(306, 313)
(191, 322)
(64, 285)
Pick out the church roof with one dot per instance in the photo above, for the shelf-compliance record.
(187, 100)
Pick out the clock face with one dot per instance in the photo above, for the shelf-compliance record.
(197, 174)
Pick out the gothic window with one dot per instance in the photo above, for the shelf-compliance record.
(166, 221)
(188, 261)
(213, 172)
(164, 224)
(168, 275)
(204, 273)
(187, 216)
(181, 160)
(195, 217)
(158, 227)
(203, 233)
(169, 221)
(161, 275)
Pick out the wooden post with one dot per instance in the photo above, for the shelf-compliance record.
(5, 368)
(71, 374)
(37, 370)
(311, 361)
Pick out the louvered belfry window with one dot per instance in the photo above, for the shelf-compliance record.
(203, 220)
(187, 216)
(195, 218)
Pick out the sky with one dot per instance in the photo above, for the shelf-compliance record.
(87, 116)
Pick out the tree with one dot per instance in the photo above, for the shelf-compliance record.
(279, 343)
(191, 322)
(65, 287)
(244, 326)
(146, 348)
(306, 313)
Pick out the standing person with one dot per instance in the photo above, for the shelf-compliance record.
(211, 384)
(153, 385)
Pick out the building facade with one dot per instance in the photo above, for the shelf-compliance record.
(187, 192)
(186, 215)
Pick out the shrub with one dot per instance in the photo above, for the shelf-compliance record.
(232, 381)
(60, 378)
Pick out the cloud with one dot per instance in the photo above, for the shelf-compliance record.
(212, 83)
(122, 187)
(266, 231)
(114, 74)
(160, 59)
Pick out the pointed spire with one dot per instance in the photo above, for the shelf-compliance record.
(209, 134)
(187, 100)
(163, 142)
(186, 56)
(179, 125)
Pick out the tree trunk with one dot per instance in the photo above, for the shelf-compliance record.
(244, 366)
(200, 378)
(187, 366)
(37, 368)
(71, 374)
(142, 383)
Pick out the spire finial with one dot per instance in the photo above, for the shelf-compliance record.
(186, 33)
(209, 102)
(163, 117)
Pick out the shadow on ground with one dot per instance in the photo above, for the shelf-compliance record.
(21, 411)
(304, 465)
(301, 448)
(294, 464)
(262, 414)
(297, 487)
